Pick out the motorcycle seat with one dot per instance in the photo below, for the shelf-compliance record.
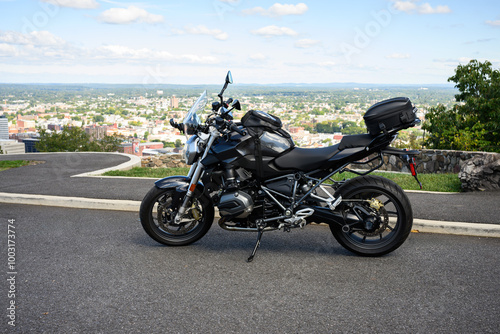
(306, 158)
(313, 158)
(354, 141)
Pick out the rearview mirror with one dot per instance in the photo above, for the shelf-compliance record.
(229, 77)
(229, 80)
(236, 105)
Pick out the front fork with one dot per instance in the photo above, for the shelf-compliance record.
(194, 176)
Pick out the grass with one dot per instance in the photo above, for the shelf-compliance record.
(430, 182)
(157, 173)
(8, 164)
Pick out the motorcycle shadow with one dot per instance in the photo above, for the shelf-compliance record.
(312, 240)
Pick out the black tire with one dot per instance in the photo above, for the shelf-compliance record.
(390, 223)
(157, 214)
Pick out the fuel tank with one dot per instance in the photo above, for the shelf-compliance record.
(241, 151)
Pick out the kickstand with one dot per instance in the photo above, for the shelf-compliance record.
(259, 236)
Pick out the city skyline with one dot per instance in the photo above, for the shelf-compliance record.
(263, 42)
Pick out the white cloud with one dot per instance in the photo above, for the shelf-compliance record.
(38, 38)
(110, 52)
(426, 8)
(405, 6)
(326, 63)
(202, 30)
(398, 56)
(7, 50)
(271, 31)
(411, 7)
(278, 10)
(258, 56)
(78, 4)
(45, 48)
(494, 23)
(481, 40)
(132, 14)
(306, 43)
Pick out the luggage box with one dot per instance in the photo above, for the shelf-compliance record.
(397, 113)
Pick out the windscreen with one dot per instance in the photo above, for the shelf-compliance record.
(192, 119)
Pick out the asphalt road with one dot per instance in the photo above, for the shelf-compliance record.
(90, 271)
(54, 178)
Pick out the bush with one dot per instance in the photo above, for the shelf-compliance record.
(74, 139)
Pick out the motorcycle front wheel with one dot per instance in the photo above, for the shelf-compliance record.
(158, 213)
(379, 215)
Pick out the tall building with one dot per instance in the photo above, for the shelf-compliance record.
(4, 128)
(96, 132)
(174, 102)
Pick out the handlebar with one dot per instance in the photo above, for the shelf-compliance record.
(234, 127)
(178, 126)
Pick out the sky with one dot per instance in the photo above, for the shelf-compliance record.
(263, 42)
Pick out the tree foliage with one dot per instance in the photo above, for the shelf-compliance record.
(345, 127)
(473, 124)
(74, 139)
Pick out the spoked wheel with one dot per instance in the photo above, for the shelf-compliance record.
(377, 216)
(158, 211)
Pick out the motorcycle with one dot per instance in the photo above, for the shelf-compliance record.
(260, 181)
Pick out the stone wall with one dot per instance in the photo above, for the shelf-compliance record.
(163, 161)
(476, 170)
(429, 161)
(482, 172)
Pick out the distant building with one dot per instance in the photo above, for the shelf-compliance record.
(54, 127)
(4, 128)
(296, 129)
(25, 124)
(337, 137)
(96, 132)
(30, 145)
(174, 102)
(11, 147)
(137, 147)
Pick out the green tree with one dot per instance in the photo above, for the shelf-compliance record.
(474, 123)
(98, 118)
(351, 128)
(75, 139)
(106, 144)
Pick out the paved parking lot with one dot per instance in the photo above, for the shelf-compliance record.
(90, 271)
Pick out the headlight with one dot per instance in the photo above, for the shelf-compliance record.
(191, 150)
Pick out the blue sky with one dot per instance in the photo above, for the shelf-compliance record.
(196, 42)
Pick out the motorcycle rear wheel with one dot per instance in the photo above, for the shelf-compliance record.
(383, 212)
(157, 218)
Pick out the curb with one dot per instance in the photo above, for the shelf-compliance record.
(71, 202)
(134, 161)
(457, 228)
(419, 225)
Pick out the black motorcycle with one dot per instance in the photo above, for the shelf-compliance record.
(260, 181)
